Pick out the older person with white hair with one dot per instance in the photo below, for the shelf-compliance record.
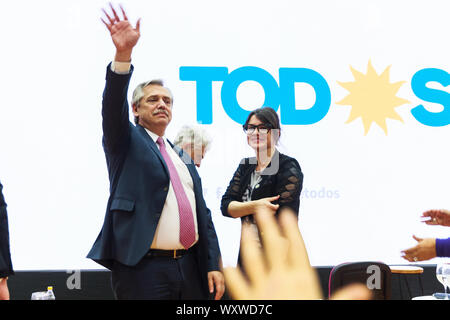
(195, 141)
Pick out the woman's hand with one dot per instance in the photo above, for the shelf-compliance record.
(238, 209)
(424, 250)
(437, 217)
(266, 205)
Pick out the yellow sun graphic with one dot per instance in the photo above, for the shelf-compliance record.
(372, 97)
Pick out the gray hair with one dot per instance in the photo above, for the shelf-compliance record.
(138, 93)
(194, 135)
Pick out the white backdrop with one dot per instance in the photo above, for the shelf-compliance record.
(363, 194)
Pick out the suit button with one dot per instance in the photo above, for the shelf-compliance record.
(166, 188)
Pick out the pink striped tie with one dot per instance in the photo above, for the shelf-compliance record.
(187, 228)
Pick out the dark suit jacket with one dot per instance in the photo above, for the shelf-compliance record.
(139, 182)
(6, 268)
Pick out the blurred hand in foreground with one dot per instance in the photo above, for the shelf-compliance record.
(281, 269)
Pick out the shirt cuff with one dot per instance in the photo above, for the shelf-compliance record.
(120, 67)
(443, 247)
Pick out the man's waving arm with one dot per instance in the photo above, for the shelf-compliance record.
(115, 109)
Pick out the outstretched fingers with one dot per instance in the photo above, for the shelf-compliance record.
(237, 284)
(116, 17)
(297, 255)
(106, 24)
(138, 25)
(273, 243)
(111, 20)
(251, 255)
(123, 13)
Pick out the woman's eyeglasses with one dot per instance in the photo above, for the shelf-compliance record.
(262, 128)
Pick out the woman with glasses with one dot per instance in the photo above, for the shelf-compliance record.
(269, 181)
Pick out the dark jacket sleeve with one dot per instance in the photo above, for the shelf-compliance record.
(6, 268)
(289, 184)
(443, 247)
(214, 255)
(233, 192)
(115, 114)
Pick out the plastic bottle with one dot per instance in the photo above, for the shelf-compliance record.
(50, 295)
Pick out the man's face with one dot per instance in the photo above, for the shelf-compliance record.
(197, 153)
(155, 108)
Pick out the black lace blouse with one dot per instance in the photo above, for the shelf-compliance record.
(283, 176)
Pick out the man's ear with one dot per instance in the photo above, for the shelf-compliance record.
(134, 107)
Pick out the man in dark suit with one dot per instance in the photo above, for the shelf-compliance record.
(6, 268)
(158, 238)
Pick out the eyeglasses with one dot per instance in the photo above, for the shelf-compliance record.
(262, 128)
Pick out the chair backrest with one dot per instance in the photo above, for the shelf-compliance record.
(376, 275)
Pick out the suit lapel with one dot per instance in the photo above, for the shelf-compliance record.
(184, 157)
(152, 145)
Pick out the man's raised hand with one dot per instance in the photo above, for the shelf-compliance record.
(123, 35)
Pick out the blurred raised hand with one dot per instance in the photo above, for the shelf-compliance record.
(281, 269)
